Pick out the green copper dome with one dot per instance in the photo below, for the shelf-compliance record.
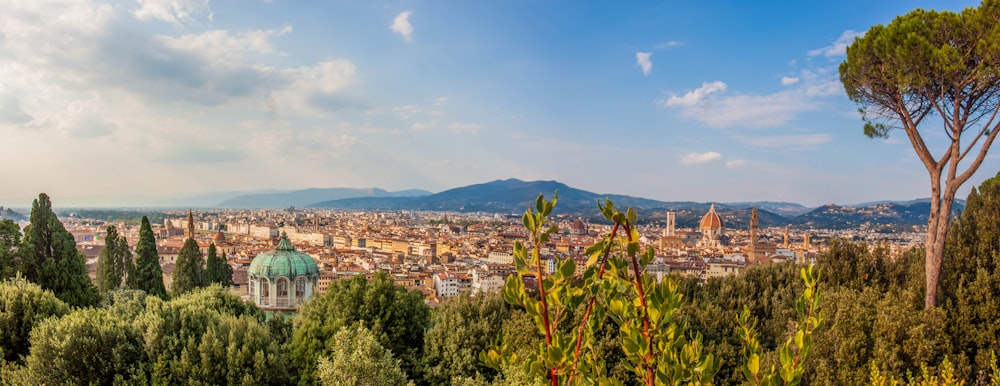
(283, 260)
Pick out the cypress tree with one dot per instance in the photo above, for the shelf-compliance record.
(189, 273)
(147, 274)
(50, 258)
(227, 271)
(113, 261)
(10, 237)
(217, 269)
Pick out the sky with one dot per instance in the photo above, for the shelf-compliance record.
(132, 102)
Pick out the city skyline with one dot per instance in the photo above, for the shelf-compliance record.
(123, 103)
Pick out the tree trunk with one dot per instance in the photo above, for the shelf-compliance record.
(937, 232)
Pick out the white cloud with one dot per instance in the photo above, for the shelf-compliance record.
(787, 141)
(221, 46)
(421, 126)
(465, 128)
(809, 93)
(670, 44)
(838, 47)
(695, 96)
(326, 77)
(733, 164)
(11, 111)
(789, 80)
(172, 11)
(700, 158)
(644, 62)
(401, 25)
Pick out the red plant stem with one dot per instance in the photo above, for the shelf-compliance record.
(590, 303)
(650, 373)
(545, 307)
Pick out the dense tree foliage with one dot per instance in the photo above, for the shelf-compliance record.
(49, 257)
(217, 269)
(189, 273)
(460, 329)
(357, 359)
(114, 262)
(10, 237)
(876, 329)
(206, 337)
(147, 274)
(397, 316)
(24, 305)
(932, 69)
(970, 278)
(88, 346)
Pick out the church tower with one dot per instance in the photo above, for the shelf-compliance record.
(190, 228)
(753, 236)
(671, 224)
(786, 238)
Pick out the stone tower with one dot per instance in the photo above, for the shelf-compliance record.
(671, 224)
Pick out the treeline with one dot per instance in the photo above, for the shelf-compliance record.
(873, 327)
(128, 217)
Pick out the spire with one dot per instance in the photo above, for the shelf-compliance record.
(190, 227)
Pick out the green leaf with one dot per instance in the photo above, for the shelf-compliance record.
(568, 268)
(633, 248)
(753, 364)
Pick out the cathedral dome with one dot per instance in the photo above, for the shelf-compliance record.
(219, 238)
(711, 220)
(283, 260)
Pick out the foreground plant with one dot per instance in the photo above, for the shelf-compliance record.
(652, 333)
(795, 350)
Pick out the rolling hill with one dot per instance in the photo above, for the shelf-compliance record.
(514, 196)
(306, 197)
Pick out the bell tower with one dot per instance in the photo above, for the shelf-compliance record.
(189, 233)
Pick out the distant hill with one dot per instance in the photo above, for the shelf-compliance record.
(787, 209)
(207, 200)
(500, 196)
(885, 214)
(960, 202)
(10, 214)
(305, 197)
(514, 196)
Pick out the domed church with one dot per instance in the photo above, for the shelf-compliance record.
(282, 279)
(712, 229)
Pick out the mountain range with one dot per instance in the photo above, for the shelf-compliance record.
(306, 197)
(10, 214)
(514, 196)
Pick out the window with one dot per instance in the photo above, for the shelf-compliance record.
(282, 292)
(300, 290)
(265, 293)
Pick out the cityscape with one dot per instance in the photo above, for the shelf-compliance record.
(442, 254)
(426, 193)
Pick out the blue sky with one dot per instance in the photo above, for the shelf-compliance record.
(124, 103)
